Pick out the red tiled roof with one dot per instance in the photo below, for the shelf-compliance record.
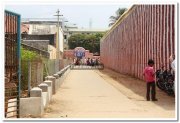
(24, 28)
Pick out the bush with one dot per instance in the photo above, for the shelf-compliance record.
(26, 56)
(29, 55)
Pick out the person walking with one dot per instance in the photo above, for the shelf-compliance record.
(150, 80)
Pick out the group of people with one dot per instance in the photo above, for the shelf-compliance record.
(149, 75)
(92, 62)
(88, 61)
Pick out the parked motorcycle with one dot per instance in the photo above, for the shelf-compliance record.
(165, 81)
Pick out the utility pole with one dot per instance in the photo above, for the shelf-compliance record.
(64, 32)
(57, 39)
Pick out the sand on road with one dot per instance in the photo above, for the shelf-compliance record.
(106, 94)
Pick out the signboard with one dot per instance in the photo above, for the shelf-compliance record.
(79, 52)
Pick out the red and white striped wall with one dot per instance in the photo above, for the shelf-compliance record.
(146, 31)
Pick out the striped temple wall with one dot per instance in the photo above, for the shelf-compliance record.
(143, 32)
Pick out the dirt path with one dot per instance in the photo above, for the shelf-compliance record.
(106, 94)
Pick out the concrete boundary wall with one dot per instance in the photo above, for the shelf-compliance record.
(143, 32)
(41, 96)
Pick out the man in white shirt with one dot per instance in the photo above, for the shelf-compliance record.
(173, 65)
(172, 60)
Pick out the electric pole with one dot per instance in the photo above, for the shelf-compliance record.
(57, 39)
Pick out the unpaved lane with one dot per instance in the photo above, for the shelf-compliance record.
(95, 94)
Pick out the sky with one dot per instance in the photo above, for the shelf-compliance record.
(79, 14)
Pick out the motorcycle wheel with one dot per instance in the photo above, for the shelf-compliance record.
(169, 88)
(160, 85)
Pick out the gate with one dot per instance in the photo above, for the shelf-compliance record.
(12, 64)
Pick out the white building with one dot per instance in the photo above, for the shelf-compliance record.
(39, 27)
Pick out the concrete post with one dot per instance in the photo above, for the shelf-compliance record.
(53, 79)
(36, 92)
(44, 87)
(59, 73)
(60, 77)
(45, 95)
(46, 78)
(57, 81)
(49, 83)
(56, 76)
(32, 105)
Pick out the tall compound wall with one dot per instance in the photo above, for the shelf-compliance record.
(143, 32)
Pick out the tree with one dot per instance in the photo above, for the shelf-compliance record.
(119, 12)
(90, 42)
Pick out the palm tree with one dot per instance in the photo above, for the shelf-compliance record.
(119, 12)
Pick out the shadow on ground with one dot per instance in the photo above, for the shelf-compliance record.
(138, 87)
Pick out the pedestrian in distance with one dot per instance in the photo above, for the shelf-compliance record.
(149, 75)
(88, 61)
(92, 62)
(97, 62)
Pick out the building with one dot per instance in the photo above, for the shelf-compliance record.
(42, 33)
(49, 27)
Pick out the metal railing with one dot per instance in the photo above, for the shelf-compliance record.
(86, 67)
(62, 71)
(12, 63)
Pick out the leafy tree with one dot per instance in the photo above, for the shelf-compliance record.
(88, 41)
(119, 12)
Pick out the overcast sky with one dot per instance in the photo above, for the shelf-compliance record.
(77, 14)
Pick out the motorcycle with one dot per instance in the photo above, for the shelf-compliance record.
(165, 81)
